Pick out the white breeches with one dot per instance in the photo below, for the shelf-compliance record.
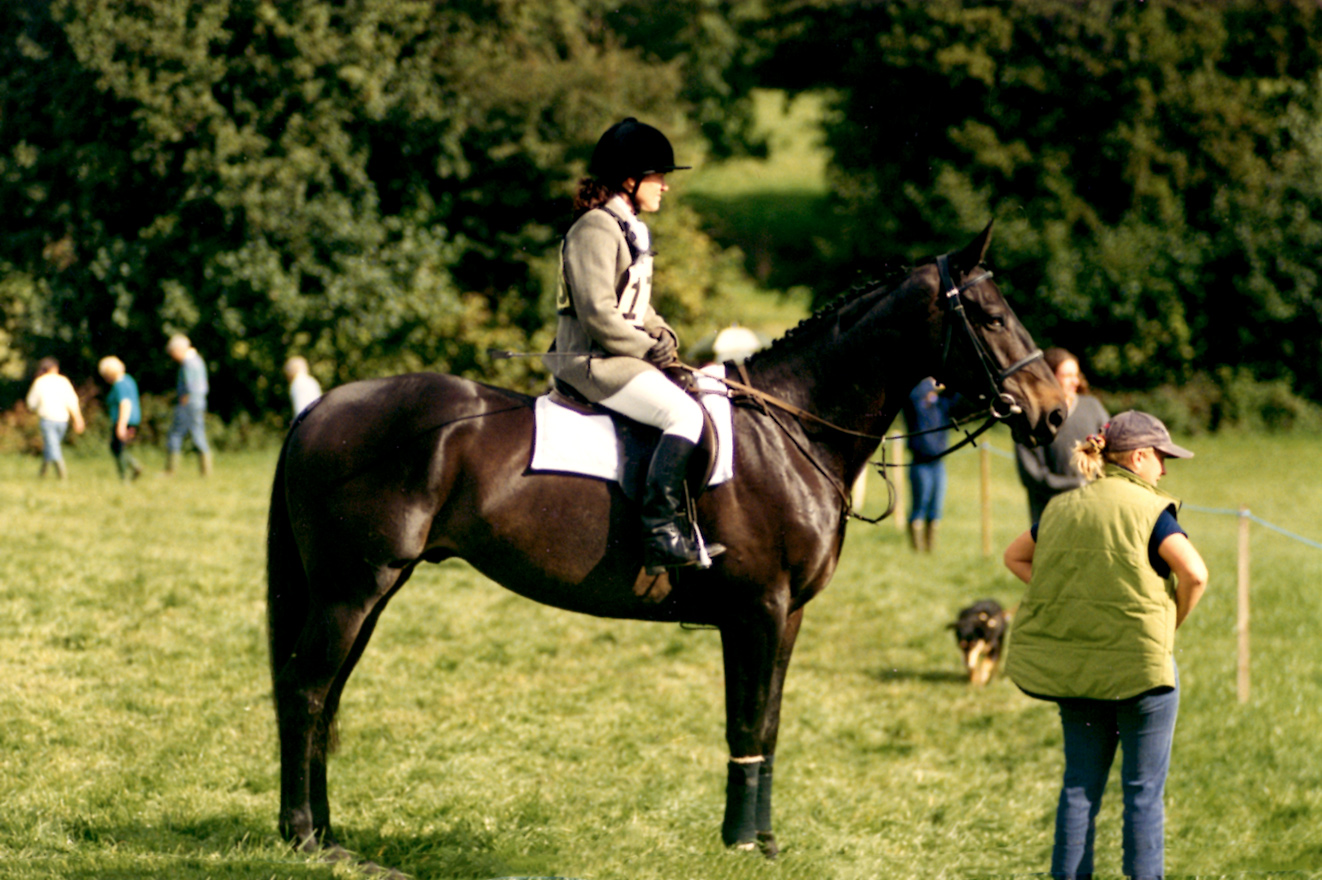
(654, 400)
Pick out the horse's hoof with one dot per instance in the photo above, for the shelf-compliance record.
(766, 841)
(750, 846)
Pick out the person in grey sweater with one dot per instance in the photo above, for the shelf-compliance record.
(610, 343)
(1046, 471)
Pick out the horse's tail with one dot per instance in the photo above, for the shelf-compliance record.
(287, 592)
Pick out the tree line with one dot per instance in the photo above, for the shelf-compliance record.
(380, 185)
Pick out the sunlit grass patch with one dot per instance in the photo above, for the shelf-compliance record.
(486, 736)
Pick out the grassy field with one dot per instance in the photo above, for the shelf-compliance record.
(485, 736)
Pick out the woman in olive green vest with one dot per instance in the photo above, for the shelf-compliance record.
(1110, 576)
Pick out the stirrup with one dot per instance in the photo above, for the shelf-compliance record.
(666, 546)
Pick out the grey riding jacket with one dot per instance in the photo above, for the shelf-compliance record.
(605, 303)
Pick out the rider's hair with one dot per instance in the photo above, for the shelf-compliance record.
(1090, 456)
(592, 193)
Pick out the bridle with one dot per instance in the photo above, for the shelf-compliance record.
(1002, 404)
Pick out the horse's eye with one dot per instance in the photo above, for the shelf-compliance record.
(996, 321)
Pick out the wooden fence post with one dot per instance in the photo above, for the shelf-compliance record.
(897, 456)
(1243, 624)
(984, 453)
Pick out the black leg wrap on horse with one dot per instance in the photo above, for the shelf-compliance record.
(766, 841)
(741, 801)
(764, 793)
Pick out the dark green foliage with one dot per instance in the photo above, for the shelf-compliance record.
(1152, 166)
(378, 185)
(1230, 400)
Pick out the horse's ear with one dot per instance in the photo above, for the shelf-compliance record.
(977, 249)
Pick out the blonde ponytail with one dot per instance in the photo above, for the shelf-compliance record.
(1088, 456)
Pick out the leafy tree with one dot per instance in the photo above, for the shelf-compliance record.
(378, 185)
(1152, 166)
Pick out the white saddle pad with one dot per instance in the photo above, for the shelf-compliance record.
(569, 442)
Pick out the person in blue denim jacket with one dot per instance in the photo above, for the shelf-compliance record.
(191, 410)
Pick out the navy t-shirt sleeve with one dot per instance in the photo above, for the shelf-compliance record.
(1166, 526)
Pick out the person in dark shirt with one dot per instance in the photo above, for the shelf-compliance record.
(124, 407)
(1046, 471)
(927, 414)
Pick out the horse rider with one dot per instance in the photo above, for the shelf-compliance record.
(611, 344)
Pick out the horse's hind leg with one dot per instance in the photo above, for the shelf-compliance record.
(307, 694)
(317, 786)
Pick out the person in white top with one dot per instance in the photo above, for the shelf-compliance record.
(303, 387)
(55, 402)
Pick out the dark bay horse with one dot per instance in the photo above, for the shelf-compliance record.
(384, 474)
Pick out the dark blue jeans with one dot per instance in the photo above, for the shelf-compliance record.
(929, 491)
(1143, 728)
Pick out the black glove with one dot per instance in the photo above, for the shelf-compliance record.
(663, 353)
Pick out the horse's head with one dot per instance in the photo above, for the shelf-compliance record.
(987, 353)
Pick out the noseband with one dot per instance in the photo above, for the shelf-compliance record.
(1003, 405)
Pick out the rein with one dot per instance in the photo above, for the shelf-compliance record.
(764, 398)
(1002, 404)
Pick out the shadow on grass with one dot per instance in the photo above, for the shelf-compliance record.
(447, 855)
(221, 848)
(934, 676)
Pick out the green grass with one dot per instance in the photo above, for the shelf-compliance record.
(776, 210)
(486, 736)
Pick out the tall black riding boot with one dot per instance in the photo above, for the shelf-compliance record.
(665, 542)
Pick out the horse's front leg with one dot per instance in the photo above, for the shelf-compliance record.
(757, 649)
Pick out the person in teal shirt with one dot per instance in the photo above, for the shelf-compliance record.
(125, 411)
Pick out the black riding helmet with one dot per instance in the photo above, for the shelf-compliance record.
(632, 149)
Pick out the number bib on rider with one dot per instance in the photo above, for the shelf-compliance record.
(634, 296)
(637, 293)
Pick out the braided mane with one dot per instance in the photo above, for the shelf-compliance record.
(828, 312)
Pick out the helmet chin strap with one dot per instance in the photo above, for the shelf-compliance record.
(633, 196)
